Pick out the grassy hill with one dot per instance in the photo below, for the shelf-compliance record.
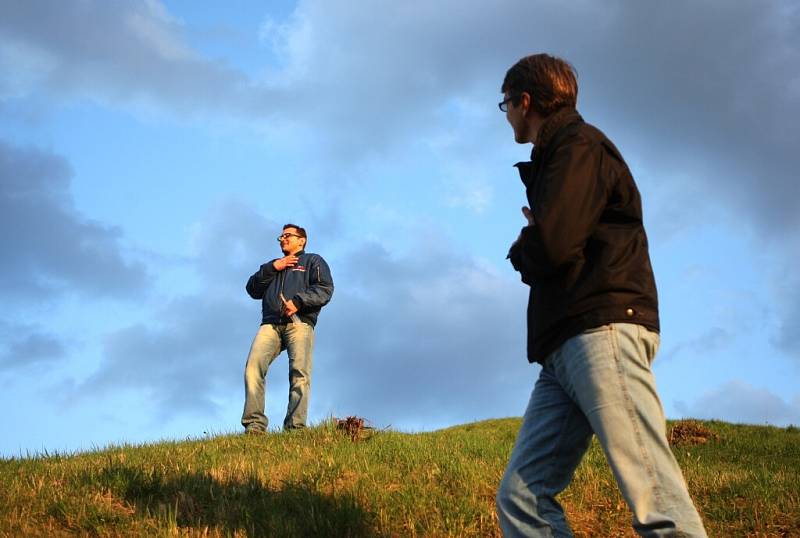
(318, 482)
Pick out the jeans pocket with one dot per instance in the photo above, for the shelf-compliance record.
(649, 341)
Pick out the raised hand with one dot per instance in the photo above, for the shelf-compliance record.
(526, 211)
(287, 261)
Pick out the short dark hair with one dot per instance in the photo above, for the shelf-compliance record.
(300, 231)
(550, 81)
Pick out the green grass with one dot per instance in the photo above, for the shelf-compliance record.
(319, 483)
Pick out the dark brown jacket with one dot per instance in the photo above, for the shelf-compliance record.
(586, 256)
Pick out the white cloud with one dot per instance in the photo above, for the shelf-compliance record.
(739, 401)
(473, 195)
(154, 26)
(409, 336)
(711, 341)
(129, 54)
(785, 285)
(24, 346)
(50, 249)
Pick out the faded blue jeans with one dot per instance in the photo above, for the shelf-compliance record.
(598, 382)
(270, 340)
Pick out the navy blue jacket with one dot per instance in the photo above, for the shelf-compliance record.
(308, 285)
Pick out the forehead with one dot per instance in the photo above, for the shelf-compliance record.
(290, 230)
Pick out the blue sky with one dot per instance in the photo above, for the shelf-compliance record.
(150, 152)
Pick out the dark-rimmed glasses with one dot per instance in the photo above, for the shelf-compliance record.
(284, 236)
(503, 105)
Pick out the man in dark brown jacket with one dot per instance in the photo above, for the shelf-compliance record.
(592, 319)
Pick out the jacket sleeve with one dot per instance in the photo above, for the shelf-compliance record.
(320, 289)
(571, 195)
(257, 284)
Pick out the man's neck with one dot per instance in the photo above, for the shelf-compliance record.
(534, 128)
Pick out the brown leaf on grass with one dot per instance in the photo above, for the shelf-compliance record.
(353, 426)
(690, 432)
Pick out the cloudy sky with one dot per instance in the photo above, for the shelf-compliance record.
(150, 152)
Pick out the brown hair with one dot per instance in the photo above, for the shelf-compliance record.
(550, 81)
(300, 231)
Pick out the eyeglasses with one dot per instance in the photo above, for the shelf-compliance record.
(284, 236)
(503, 105)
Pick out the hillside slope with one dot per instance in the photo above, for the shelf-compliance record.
(319, 482)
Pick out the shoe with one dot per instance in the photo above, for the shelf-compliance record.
(296, 427)
(254, 431)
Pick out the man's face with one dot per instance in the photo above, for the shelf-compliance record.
(291, 242)
(516, 118)
(523, 119)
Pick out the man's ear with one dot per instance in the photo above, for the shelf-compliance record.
(525, 102)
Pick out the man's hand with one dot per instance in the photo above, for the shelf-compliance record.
(515, 252)
(528, 214)
(282, 263)
(289, 308)
(526, 211)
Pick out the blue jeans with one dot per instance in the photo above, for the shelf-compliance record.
(270, 340)
(598, 382)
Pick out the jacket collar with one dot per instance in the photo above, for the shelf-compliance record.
(553, 124)
(547, 132)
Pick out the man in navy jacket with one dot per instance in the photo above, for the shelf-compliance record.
(292, 289)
